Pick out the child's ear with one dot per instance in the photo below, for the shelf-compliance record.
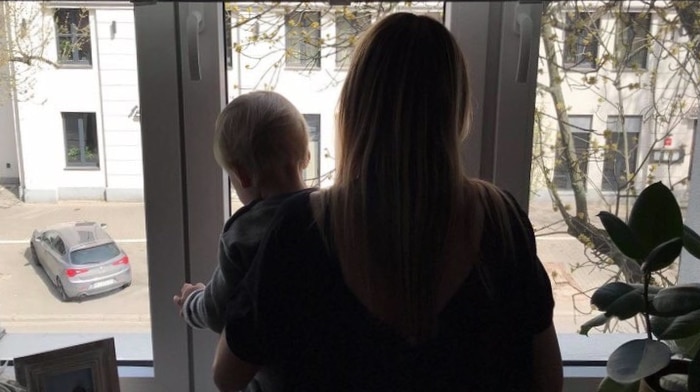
(244, 177)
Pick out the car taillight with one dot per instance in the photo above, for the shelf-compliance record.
(71, 272)
(123, 260)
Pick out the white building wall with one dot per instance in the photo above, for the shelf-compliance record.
(601, 100)
(115, 37)
(110, 89)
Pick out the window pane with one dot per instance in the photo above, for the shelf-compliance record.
(580, 128)
(617, 120)
(70, 153)
(282, 48)
(95, 254)
(581, 40)
(73, 35)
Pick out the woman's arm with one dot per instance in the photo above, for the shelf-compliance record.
(547, 366)
(231, 373)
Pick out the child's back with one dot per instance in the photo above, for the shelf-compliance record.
(261, 140)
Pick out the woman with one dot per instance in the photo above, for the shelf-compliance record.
(404, 275)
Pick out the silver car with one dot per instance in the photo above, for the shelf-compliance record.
(80, 259)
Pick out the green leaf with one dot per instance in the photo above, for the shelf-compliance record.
(596, 321)
(663, 255)
(655, 217)
(637, 359)
(622, 236)
(610, 385)
(691, 241)
(652, 289)
(677, 300)
(626, 306)
(694, 373)
(605, 295)
(676, 327)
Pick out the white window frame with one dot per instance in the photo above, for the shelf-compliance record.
(187, 195)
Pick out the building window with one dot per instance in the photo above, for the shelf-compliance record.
(80, 131)
(348, 25)
(73, 36)
(227, 39)
(580, 134)
(312, 173)
(581, 40)
(632, 45)
(618, 156)
(303, 39)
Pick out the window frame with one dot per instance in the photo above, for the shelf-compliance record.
(583, 163)
(579, 59)
(292, 60)
(315, 119)
(343, 55)
(75, 35)
(89, 121)
(625, 42)
(620, 135)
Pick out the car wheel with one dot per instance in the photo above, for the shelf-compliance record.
(61, 291)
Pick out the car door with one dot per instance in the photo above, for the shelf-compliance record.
(54, 247)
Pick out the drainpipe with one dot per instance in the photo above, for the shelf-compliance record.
(15, 118)
(98, 68)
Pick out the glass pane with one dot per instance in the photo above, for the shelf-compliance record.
(70, 146)
(597, 131)
(300, 50)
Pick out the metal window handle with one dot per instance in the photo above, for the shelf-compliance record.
(524, 30)
(195, 25)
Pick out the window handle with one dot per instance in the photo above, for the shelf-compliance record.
(523, 24)
(195, 25)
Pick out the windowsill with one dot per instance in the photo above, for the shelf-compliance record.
(82, 168)
(135, 349)
(300, 68)
(74, 66)
(132, 349)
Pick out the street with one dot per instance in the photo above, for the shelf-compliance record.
(28, 302)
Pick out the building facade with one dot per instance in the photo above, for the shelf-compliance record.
(71, 131)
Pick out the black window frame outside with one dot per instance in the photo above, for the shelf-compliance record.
(560, 176)
(626, 49)
(580, 59)
(297, 56)
(90, 121)
(613, 157)
(356, 25)
(74, 17)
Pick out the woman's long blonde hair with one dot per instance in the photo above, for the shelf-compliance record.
(403, 112)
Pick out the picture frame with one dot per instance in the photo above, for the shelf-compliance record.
(87, 367)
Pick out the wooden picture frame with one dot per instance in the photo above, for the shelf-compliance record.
(88, 367)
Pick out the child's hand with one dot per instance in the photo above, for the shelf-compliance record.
(185, 292)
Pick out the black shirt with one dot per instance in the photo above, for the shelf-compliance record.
(295, 314)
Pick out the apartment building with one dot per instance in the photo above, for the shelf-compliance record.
(71, 131)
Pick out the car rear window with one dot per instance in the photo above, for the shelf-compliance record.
(96, 254)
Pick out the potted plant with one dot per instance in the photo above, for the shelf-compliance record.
(654, 237)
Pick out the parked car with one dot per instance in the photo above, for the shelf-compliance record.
(80, 259)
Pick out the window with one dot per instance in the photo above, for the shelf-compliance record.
(80, 131)
(580, 134)
(581, 40)
(227, 39)
(73, 36)
(348, 25)
(312, 173)
(303, 39)
(632, 42)
(621, 146)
